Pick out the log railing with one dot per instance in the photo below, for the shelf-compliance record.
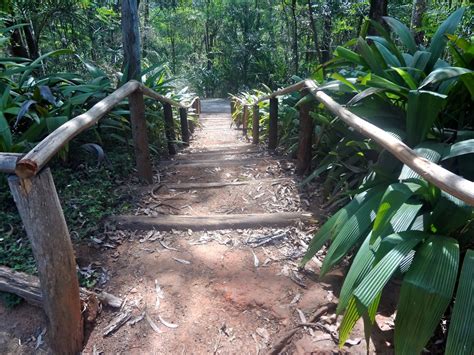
(36, 198)
(432, 172)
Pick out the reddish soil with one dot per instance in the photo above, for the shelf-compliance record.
(222, 292)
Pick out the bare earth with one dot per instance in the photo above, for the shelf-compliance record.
(202, 292)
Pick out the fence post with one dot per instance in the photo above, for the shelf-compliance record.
(303, 162)
(273, 124)
(140, 136)
(256, 125)
(169, 128)
(40, 210)
(245, 120)
(183, 116)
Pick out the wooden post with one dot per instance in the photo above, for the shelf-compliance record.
(43, 219)
(273, 124)
(303, 162)
(140, 136)
(169, 128)
(232, 106)
(245, 120)
(183, 116)
(256, 125)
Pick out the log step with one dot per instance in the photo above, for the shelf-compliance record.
(213, 185)
(211, 222)
(213, 163)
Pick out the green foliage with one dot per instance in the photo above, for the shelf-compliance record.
(420, 89)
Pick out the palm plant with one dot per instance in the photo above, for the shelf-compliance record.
(402, 225)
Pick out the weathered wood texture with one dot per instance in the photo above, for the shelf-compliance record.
(43, 219)
(303, 162)
(8, 162)
(140, 137)
(245, 120)
(183, 117)
(273, 124)
(164, 223)
(169, 128)
(232, 106)
(40, 155)
(28, 287)
(256, 125)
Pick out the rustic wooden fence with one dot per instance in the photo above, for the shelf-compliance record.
(432, 172)
(34, 192)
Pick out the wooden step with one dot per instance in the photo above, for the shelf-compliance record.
(220, 184)
(217, 154)
(211, 222)
(218, 163)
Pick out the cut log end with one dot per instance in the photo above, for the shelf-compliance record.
(26, 168)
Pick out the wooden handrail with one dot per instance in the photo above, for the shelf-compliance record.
(41, 154)
(8, 162)
(444, 179)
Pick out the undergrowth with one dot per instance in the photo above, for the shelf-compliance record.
(88, 191)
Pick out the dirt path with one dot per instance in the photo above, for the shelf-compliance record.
(225, 291)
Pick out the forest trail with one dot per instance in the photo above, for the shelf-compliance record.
(225, 290)
(220, 287)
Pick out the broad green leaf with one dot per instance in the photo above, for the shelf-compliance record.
(420, 60)
(439, 40)
(459, 148)
(423, 108)
(461, 329)
(360, 267)
(349, 55)
(405, 35)
(443, 74)
(433, 151)
(425, 294)
(379, 82)
(354, 228)
(449, 214)
(339, 77)
(334, 224)
(407, 78)
(375, 280)
(369, 57)
(389, 58)
(353, 312)
(364, 94)
(394, 197)
(5, 133)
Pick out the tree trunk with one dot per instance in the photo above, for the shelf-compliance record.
(131, 40)
(378, 9)
(314, 31)
(146, 23)
(327, 32)
(419, 8)
(295, 38)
